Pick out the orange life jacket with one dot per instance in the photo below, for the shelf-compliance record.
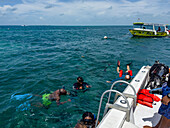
(145, 98)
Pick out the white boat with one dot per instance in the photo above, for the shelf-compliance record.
(124, 112)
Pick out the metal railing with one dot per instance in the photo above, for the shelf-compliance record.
(127, 95)
(118, 107)
(127, 109)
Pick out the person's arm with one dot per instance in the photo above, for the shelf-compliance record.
(87, 85)
(166, 99)
(118, 65)
(128, 68)
(58, 102)
(118, 69)
(75, 86)
(78, 125)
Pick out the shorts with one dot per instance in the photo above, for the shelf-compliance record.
(46, 101)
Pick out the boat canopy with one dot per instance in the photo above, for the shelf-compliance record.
(149, 24)
(138, 23)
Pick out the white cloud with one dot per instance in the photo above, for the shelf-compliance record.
(86, 12)
(41, 18)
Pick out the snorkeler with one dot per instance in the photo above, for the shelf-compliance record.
(126, 76)
(88, 121)
(128, 73)
(47, 99)
(80, 85)
(55, 96)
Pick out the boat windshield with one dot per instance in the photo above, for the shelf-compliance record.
(137, 25)
(143, 26)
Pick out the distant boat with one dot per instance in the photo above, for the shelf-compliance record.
(141, 29)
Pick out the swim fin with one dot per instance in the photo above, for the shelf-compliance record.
(129, 63)
(118, 63)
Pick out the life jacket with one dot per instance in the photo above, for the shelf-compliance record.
(121, 73)
(145, 98)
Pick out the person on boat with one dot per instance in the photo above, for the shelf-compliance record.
(80, 84)
(88, 121)
(159, 29)
(55, 96)
(164, 109)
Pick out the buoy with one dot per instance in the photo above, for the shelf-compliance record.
(105, 37)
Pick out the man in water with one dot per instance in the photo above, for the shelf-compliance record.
(126, 76)
(80, 85)
(88, 121)
(128, 73)
(55, 96)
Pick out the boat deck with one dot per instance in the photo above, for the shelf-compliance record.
(147, 116)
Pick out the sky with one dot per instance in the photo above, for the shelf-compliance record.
(83, 12)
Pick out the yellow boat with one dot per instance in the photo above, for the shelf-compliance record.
(142, 29)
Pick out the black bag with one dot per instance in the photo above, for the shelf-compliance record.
(157, 75)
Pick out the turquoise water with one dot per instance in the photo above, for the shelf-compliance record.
(40, 59)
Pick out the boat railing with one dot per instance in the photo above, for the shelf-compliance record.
(127, 95)
(118, 107)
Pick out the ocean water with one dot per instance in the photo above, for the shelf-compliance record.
(41, 59)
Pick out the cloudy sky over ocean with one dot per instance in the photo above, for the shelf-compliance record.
(83, 12)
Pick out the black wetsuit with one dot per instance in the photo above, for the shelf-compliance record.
(78, 85)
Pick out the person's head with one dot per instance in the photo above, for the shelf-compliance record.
(88, 118)
(63, 91)
(127, 77)
(80, 79)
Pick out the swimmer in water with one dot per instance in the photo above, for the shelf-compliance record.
(80, 85)
(55, 96)
(88, 121)
(126, 76)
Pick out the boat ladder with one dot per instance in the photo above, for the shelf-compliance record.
(116, 106)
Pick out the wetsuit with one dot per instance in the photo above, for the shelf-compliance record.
(78, 85)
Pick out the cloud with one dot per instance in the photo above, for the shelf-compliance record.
(87, 11)
(110, 8)
(41, 18)
(49, 6)
(62, 14)
(7, 9)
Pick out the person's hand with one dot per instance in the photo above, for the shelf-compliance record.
(108, 81)
(165, 100)
(88, 86)
(69, 100)
(81, 87)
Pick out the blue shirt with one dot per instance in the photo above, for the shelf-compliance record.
(165, 109)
